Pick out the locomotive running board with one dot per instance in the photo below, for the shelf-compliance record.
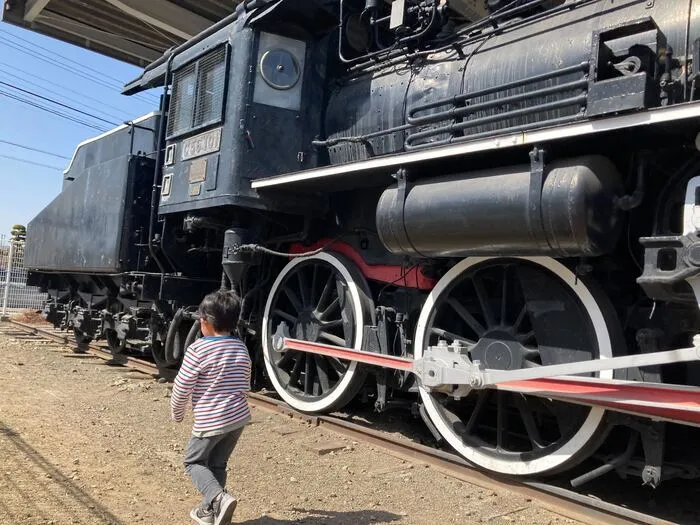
(591, 126)
(448, 369)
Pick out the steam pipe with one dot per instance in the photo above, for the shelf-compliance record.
(629, 202)
(192, 334)
(173, 334)
(580, 99)
(583, 66)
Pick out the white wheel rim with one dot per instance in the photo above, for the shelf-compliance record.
(590, 425)
(339, 390)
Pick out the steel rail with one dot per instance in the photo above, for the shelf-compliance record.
(132, 362)
(556, 499)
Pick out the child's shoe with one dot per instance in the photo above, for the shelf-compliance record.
(224, 506)
(201, 516)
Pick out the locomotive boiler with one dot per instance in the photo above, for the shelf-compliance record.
(390, 177)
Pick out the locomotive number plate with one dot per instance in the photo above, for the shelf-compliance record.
(203, 144)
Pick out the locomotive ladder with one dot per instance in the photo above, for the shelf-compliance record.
(448, 369)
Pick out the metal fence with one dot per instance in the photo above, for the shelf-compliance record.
(14, 292)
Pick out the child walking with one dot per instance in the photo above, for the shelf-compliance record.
(215, 373)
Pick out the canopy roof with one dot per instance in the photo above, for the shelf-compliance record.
(137, 31)
(133, 31)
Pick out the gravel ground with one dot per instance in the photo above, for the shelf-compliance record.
(85, 443)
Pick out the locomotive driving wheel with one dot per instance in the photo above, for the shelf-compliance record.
(321, 298)
(517, 313)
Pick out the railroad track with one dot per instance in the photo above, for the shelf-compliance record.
(580, 507)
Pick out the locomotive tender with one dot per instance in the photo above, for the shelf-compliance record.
(386, 175)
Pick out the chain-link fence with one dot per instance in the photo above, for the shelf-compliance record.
(14, 292)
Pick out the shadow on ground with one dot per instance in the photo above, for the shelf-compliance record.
(71, 495)
(327, 517)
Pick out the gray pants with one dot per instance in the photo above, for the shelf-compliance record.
(205, 463)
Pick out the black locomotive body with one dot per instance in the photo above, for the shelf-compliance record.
(385, 175)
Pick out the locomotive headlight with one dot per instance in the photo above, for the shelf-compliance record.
(280, 69)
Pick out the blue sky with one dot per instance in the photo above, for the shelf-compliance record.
(69, 75)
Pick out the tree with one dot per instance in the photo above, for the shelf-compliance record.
(19, 232)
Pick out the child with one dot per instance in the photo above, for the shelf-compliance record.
(216, 373)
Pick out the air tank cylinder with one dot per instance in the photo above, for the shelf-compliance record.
(569, 210)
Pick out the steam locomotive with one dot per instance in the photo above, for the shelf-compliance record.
(382, 176)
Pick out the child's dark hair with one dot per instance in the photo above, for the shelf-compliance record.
(222, 309)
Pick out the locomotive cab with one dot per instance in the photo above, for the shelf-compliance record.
(243, 104)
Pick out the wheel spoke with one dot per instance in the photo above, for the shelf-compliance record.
(326, 292)
(286, 357)
(296, 304)
(466, 316)
(301, 281)
(322, 373)
(284, 315)
(331, 324)
(338, 341)
(296, 371)
(533, 433)
(501, 419)
(308, 379)
(312, 295)
(521, 317)
(483, 301)
(482, 397)
(334, 304)
(524, 338)
(337, 366)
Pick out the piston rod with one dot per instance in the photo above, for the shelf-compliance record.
(448, 369)
(450, 364)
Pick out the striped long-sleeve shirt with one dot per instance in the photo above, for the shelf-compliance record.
(215, 372)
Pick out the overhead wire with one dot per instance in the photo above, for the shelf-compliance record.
(90, 78)
(30, 148)
(50, 110)
(59, 65)
(99, 110)
(25, 161)
(119, 82)
(28, 92)
(63, 57)
(150, 97)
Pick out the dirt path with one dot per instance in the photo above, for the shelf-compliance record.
(85, 443)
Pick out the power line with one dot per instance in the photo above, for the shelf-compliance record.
(50, 110)
(57, 103)
(34, 54)
(53, 83)
(47, 50)
(120, 82)
(25, 161)
(48, 90)
(89, 78)
(33, 149)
